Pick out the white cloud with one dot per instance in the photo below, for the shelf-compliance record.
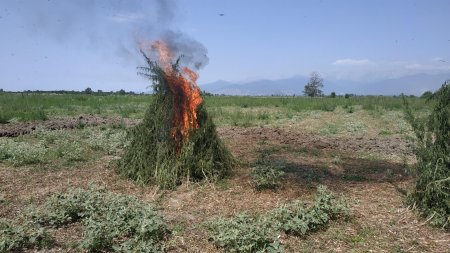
(352, 62)
(127, 17)
(386, 69)
(437, 59)
(417, 66)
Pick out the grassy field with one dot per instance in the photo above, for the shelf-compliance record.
(59, 191)
(32, 106)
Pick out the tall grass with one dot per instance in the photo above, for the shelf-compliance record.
(32, 106)
(321, 103)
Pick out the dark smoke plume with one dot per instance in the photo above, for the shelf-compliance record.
(192, 52)
(108, 24)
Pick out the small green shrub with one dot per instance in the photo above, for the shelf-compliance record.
(267, 174)
(263, 116)
(112, 222)
(15, 237)
(385, 132)
(110, 141)
(330, 129)
(245, 233)
(298, 219)
(355, 126)
(20, 153)
(327, 107)
(71, 151)
(3, 118)
(350, 109)
(260, 233)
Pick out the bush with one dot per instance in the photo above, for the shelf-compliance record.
(431, 195)
(350, 109)
(245, 233)
(15, 237)
(427, 95)
(266, 174)
(112, 222)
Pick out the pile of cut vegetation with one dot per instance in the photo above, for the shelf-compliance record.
(177, 140)
(431, 195)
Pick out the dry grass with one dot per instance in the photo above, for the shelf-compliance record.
(367, 170)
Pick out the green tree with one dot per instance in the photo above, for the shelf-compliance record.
(314, 87)
(88, 90)
(333, 94)
(427, 94)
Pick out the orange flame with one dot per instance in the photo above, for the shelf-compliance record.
(185, 92)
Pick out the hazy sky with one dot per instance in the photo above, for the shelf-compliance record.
(62, 44)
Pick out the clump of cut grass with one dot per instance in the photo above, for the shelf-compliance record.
(355, 126)
(21, 153)
(71, 151)
(153, 155)
(267, 174)
(245, 233)
(260, 233)
(111, 222)
(330, 129)
(109, 141)
(14, 237)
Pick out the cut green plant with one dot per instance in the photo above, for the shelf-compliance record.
(260, 233)
(111, 222)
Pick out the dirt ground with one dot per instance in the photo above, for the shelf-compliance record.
(368, 171)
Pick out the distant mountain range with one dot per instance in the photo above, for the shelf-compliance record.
(410, 85)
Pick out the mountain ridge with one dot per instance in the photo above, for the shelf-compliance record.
(410, 85)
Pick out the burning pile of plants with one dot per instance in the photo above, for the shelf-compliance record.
(177, 140)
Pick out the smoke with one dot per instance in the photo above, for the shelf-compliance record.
(112, 26)
(191, 52)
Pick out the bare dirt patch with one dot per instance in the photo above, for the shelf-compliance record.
(243, 140)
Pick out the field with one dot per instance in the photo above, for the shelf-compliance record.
(359, 147)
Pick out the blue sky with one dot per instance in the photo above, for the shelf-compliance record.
(62, 44)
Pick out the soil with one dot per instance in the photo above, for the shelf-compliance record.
(244, 140)
(20, 128)
(381, 222)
